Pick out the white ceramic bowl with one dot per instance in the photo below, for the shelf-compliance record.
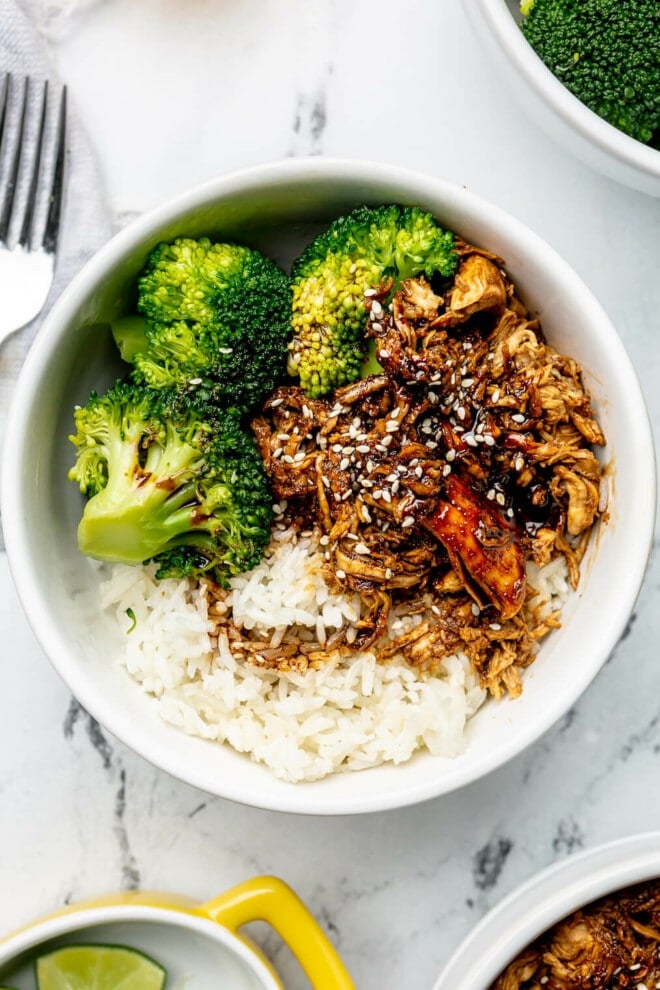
(543, 901)
(199, 945)
(277, 207)
(554, 107)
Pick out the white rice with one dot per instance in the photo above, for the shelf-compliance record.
(349, 715)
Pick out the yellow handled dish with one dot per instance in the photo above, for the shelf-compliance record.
(196, 943)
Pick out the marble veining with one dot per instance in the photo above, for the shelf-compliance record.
(396, 891)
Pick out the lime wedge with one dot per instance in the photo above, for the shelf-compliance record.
(98, 967)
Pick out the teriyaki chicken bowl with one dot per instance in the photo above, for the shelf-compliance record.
(338, 487)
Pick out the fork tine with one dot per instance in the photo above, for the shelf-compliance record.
(25, 236)
(55, 202)
(5, 216)
(3, 112)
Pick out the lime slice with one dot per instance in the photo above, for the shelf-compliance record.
(98, 967)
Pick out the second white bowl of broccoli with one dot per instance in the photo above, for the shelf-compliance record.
(587, 72)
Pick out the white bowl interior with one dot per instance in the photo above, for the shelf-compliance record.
(550, 104)
(544, 900)
(276, 208)
(196, 953)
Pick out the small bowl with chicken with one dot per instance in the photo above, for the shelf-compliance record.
(590, 921)
(336, 464)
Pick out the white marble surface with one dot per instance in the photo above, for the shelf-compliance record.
(173, 92)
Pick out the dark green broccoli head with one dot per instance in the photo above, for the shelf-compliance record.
(172, 479)
(607, 53)
(356, 253)
(219, 312)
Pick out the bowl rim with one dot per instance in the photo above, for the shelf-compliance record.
(544, 899)
(74, 920)
(593, 128)
(300, 798)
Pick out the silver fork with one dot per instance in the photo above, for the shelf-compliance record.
(33, 178)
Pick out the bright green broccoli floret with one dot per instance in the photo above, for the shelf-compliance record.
(607, 53)
(170, 479)
(356, 253)
(219, 312)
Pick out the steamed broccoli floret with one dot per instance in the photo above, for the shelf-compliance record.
(219, 312)
(170, 479)
(357, 252)
(607, 53)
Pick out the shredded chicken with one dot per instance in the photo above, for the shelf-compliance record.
(433, 483)
(613, 944)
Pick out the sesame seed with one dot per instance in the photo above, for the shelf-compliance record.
(510, 513)
(435, 610)
(392, 426)
(433, 397)
(386, 441)
(407, 522)
(326, 481)
(307, 412)
(346, 495)
(386, 495)
(361, 548)
(363, 448)
(475, 609)
(377, 326)
(388, 573)
(348, 451)
(499, 498)
(466, 382)
(495, 626)
(370, 292)
(519, 463)
(489, 439)
(351, 536)
(496, 395)
(278, 451)
(451, 454)
(195, 381)
(518, 418)
(395, 486)
(491, 494)
(460, 412)
(366, 515)
(343, 464)
(300, 456)
(275, 403)
(377, 493)
(419, 471)
(384, 353)
(446, 470)
(431, 444)
(340, 574)
(470, 439)
(376, 307)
